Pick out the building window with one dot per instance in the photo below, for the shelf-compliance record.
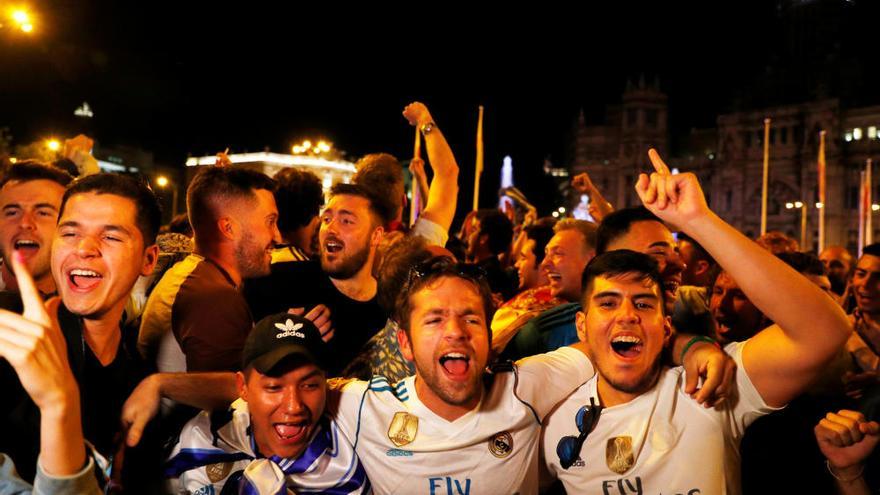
(783, 135)
(651, 118)
(857, 133)
(872, 132)
(747, 139)
(848, 136)
(728, 199)
(632, 116)
(773, 136)
(852, 197)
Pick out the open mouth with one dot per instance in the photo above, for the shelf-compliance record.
(554, 277)
(671, 286)
(84, 279)
(291, 431)
(333, 246)
(456, 364)
(26, 246)
(627, 346)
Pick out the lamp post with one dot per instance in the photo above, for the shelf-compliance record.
(803, 207)
(163, 182)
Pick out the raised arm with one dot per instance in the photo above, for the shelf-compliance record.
(783, 359)
(443, 191)
(33, 344)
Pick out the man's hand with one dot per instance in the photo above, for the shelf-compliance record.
(675, 199)
(417, 114)
(320, 316)
(846, 438)
(417, 168)
(140, 407)
(582, 183)
(33, 344)
(718, 371)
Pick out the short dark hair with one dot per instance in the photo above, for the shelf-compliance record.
(441, 266)
(180, 225)
(541, 233)
(806, 263)
(872, 249)
(622, 262)
(28, 170)
(223, 183)
(383, 174)
(377, 206)
(394, 269)
(699, 250)
(149, 214)
(586, 229)
(618, 223)
(299, 198)
(498, 227)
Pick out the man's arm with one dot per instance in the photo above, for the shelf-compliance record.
(207, 391)
(783, 359)
(33, 344)
(443, 192)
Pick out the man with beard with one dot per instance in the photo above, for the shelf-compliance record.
(196, 318)
(341, 283)
(30, 196)
(864, 342)
(633, 414)
(454, 427)
(839, 264)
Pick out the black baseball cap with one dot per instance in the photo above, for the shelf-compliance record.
(278, 336)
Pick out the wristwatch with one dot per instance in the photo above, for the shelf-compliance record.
(426, 128)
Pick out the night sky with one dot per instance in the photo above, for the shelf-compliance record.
(193, 78)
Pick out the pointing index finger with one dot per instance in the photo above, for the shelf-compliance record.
(659, 164)
(34, 310)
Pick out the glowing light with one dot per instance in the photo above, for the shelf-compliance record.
(307, 144)
(27, 28)
(872, 132)
(161, 181)
(555, 214)
(561, 209)
(13, 159)
(798, 204)
(53, 144)
(847, 137)
(20, 17)
(789, 205)
(857, 133)
(820, 205)
(875, 207)
(328, 181)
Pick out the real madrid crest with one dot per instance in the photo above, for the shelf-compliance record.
(501, 444)
(219, 471)
(403, 428)
(619, 454)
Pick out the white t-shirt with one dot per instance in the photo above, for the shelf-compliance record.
(432, 232)
(661, 442)
(407, 449)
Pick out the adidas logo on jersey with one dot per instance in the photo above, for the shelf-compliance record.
(288, 329)
(398, 453)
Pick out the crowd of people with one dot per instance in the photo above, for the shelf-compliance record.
(271, 342)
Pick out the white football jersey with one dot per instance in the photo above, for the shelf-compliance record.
(407, 449)
(661, 442)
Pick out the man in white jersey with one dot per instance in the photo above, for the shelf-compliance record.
(453, 428)
(631, 428)
(275, 439)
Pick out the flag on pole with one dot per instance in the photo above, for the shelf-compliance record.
(821, 180)
(863, 207)
(764, 182)
(869, 205)
(478, 169)
(416, 202)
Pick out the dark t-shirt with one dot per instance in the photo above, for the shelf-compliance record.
(103, 390)
(302, 284)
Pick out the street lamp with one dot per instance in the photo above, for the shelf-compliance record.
(163, 182)
(803, 207)
(53, 144)
(22, 20)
